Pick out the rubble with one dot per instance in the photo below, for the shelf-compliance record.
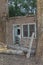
(17, 49)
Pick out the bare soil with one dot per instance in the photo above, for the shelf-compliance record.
(18, 60)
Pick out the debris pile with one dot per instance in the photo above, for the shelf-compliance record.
(8, 49)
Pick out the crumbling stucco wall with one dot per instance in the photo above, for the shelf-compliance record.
(3, 8)
(2, 31)
(19, 21)
(3, 14)
(40, 28)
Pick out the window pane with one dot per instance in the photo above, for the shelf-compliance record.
(31, 29)
(18, 31)
(25, 30)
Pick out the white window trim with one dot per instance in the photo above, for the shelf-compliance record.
(28, 30)
(13, 32)
(35, 28)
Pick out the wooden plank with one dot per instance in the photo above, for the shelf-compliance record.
(30, 46)
(10, 51)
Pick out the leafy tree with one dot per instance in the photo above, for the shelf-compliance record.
(16, 10)
(11, 11)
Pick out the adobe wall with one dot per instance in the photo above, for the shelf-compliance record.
(18, 20)
(2, 31)
(3, 7)
(40, 28)
(3, 14)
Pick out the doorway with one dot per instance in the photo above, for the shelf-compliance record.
(17, 35)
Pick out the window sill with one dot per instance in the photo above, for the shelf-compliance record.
(28, 37)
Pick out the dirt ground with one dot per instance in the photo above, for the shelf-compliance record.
(18, 60)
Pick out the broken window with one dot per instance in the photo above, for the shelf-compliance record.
(29, 29)
(18, 31)
(25, 30)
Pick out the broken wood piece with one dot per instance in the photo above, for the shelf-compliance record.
(30, 46)
(10, 51)
(25, 49)
(14, 51)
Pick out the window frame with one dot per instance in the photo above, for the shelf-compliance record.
(14, 30)
(28, 30)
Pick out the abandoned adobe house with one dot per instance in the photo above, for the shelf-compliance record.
(19, 29)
